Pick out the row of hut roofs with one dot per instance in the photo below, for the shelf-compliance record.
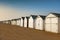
(49, 23)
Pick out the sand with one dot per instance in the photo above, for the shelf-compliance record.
(13, 32)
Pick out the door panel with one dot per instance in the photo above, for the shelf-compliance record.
(54, 20)
(47, 20)
(18, 22)
(48, 27)
(37, 24)
(25, 23)
(41, 24)
(21, 22)
(54, 27)
(30, 23)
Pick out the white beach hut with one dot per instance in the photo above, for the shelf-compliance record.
(14, 21)
(1, 21)
(18, 21)
(9, 21)
(26, 20)
(22, 21)
(5, 22)
(39, 22)
(52, 23)
(32, 21)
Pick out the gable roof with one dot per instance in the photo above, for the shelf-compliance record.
(23, 18)
(43, 17)
(8, 20)
(56, 14)
(18, 18)
(33, 16)
(14, 19)
(27, 17)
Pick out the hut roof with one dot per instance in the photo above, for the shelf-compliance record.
(18, 18)
(8, 20)
(43, 17)
(33, 16)
(57, 14)
(14, 19)
(27, 17)
(23, 18)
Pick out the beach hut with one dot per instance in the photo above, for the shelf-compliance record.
(6, 21)
(9, 21)
(18, 21)
(39, 22)
(1, 21)
(22, 21)
(32, 21)
(26, 20)
(14, 21)
(52, 23)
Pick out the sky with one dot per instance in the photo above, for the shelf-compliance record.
(11, 9)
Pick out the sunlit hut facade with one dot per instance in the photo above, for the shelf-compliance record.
(18, 21)
(14, 21)
(32, 21)
(52, 23)
(22, 21)
(9, 21)
(39, 22)
(1, 21)
(26, 21)
(4, 21)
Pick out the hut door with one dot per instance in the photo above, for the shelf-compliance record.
(54, 24)
(21, 22)
(25, 23)
(41, 24)
(37, 24)
(30, 23)
(18, 22)
(48, 24)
